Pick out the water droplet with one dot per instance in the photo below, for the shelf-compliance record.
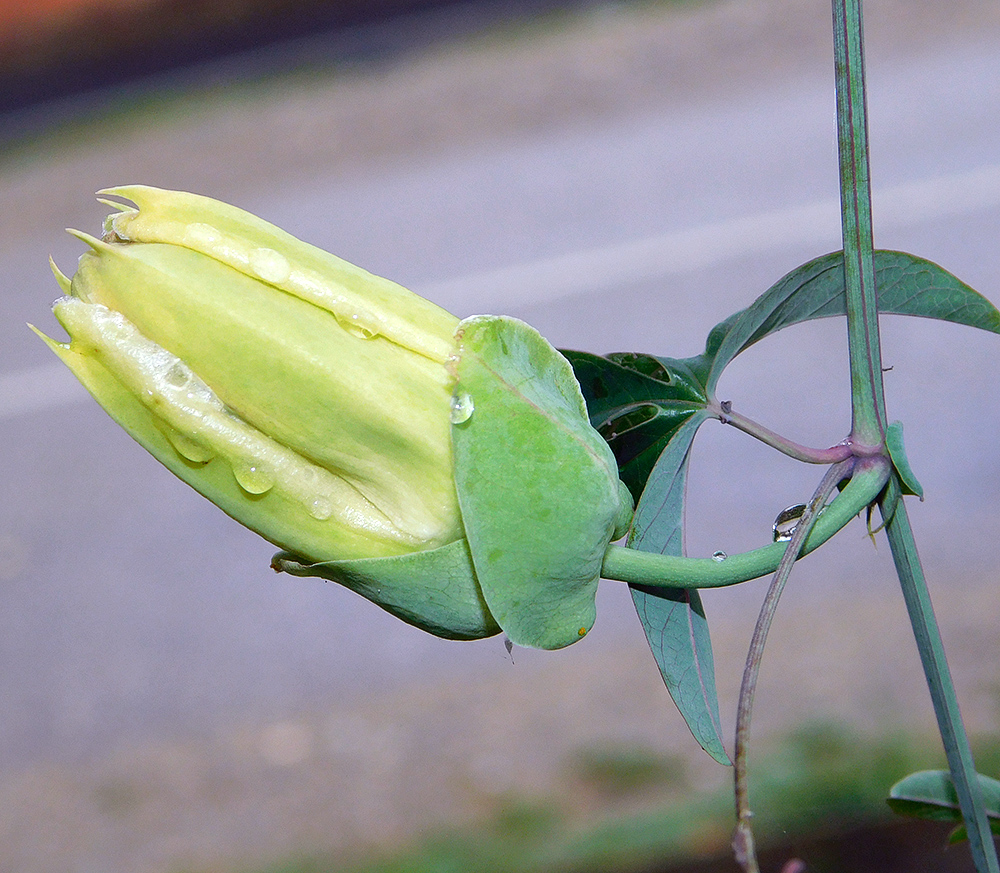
(719, 556)
(252, 478)
(189, 448)
(178, 375)
(201, 235)
(309, 477)
(354, 327)
(321, 508)
(786, 522)
(462, 407)
(270, 265)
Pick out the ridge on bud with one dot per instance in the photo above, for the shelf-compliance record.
(445, 470)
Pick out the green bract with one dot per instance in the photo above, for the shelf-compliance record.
(445, 470)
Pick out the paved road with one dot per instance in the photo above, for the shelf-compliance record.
(129, 605)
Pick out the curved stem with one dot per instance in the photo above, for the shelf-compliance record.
(833, 455)
(650, 568)
(743, 843)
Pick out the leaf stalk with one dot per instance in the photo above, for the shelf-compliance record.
(725, 413)
(939, 682)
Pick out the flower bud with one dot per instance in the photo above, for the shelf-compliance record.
(327, 409)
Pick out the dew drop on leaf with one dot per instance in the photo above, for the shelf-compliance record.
(462, 407)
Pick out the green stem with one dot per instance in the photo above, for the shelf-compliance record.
(928, 637)
(868, 406)
(651, 568)
(868, 400)
(743, 841)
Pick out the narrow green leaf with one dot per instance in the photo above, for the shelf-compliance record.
(894, 444)
(673, 618)
(907, 285)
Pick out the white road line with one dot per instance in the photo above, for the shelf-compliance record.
(684, 251)
(51, 385)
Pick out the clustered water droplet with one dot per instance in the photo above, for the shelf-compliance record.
(462, 407)
(200, 234)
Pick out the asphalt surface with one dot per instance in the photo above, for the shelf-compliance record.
(132, 609)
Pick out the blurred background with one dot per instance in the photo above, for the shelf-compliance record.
(622, 175)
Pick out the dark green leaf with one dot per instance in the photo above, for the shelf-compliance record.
(637, 403)
(930, 794)
(960, 834)
(673, 618)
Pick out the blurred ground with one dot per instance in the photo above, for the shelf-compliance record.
(380, 765)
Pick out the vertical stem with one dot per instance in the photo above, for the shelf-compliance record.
(868, 401)
(868, 408)
(928, 637)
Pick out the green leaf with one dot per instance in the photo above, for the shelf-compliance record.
(537, 485)
(673, 618)
(894, 444)
(434, 590)
(907, 285)
(960, 834)
(931, 795)
(637, 403)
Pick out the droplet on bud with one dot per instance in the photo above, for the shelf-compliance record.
(321, 508)
(187, 447)
(253, 479)
(269, 265)
(356, 327)
(179, 375)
